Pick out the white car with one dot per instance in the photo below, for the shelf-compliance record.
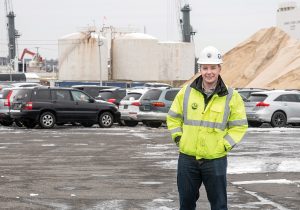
(277, 107)
(130, 106)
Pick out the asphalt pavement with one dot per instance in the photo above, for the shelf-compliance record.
(135, 168)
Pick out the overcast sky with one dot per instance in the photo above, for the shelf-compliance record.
(221, 23)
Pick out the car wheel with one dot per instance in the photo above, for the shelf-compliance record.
(47, 120)
(278, 119)
(87, 124)
(131, 123)
(18, 123)
(154, 124)
(6, 123)
(254, 124)
(29, 124)
(106, 120)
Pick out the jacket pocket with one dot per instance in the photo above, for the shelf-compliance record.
(215, 115)
(220, 148)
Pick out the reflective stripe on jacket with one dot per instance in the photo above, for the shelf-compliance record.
(207, 132)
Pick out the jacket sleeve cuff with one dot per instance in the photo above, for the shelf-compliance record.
(229, 142)
(177, 140)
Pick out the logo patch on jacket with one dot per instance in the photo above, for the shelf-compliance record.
(194, 106)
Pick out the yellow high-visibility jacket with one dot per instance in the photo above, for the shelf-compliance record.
(209, 130)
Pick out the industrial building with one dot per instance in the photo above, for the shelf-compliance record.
(288, 18)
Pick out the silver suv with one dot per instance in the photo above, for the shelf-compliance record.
(277, 107)
(155, 104)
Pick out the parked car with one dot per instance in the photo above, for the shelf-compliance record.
(157, 85)
(129, 106)
(25, 84)
(92, 90)
(48, 106)
(3, 86)
(113, 95)
(277, 107)
(246, 92)
(155, 104)
(5, 118)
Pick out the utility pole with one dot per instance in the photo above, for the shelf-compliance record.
(100, 43)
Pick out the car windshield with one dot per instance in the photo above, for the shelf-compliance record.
(171, 94)
(136, 96)
(152, 95)
(244, 93)
(257, 97)
(106, 95)
(22, 95)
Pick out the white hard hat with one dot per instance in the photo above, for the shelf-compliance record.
(210, 55)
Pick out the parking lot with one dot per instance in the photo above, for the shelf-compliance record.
(71, 167)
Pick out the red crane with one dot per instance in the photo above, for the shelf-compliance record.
(36, 56)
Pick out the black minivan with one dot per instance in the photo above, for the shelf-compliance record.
(48, 106)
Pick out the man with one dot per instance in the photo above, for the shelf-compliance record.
(206, 120)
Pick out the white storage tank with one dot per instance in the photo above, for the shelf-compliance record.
(177, 60)
(140, 57)
(79, 57)
(135, 57)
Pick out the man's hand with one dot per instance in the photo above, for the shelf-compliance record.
(177, 140)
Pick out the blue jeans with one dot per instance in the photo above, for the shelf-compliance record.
(190, 175)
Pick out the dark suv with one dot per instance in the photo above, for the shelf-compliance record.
(113, 95)
(92, 90)
(48, 106)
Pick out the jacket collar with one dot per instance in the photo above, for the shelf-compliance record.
(221, 88)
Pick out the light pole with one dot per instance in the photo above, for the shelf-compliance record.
(100, 43)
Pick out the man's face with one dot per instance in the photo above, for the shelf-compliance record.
(210, 73)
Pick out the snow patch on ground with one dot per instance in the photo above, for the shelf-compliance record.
(264, 201)
(48, 145)
(161, 200)
(140, 135)
(150, 183)
(270, 181)
(36, 140)
(274, 130)
(109, 205)
(240, 165)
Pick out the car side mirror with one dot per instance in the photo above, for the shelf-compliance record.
(91, 100)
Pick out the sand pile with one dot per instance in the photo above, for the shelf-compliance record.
(268, 59)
